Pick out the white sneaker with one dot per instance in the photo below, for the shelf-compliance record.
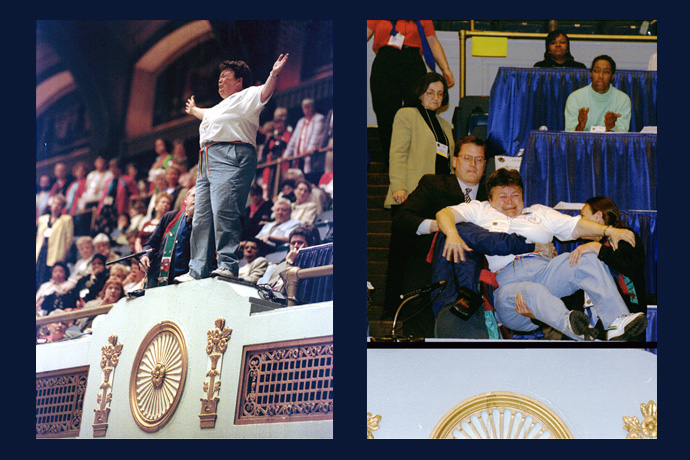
(626, 327)
(224, 272)
(184, 278)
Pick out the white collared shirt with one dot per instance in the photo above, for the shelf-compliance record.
(234, 119)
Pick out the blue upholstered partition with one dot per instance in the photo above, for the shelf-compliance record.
(573, 167)
(523, 99)
(315, 289)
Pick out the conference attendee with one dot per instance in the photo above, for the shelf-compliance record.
(42, 195)
(163, 204)
(81, 267)
(557, 53)
(599, 103)
(399, 46)
(299, 238)
(58, 331)
(227, 166)
(275, 234)
(170, 245)
(54, 238)
(422, 142)
(303, 209)
(55, 294)
(256, 214)
(163, 159)
(306, 138)
(76, 189)
(62, 180)
(95, 183)
(102, 244)
(414, 223)
(254, 265)
(542, 281)
(627, 262)
(136, 279)
(111, 293)
(89, 286)
(117, 192)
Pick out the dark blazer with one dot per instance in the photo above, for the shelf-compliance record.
(433, 193)
(156, 242)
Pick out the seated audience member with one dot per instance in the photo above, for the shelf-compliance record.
(76, 189)
(599, 103)
(275, 234)
(62, 180)
(302, 209)
(542, 281)
(257, 214)
(626, 263)
(158, 186)
(317, 195)
(117, 236)
(254, 265)
(163, 204)
(81, 267)
(42, 196)
(287, 190)
(55, 293)
(179, 155)
(173, 187)
(112, 292)
(137, 215)
(136, 279)
(557, 52)
(54, 238)
(301, 237)
(58, 330)
(102, 244)
(170, 244)
(117, 193)
(119, 271)
(188, 179)
(88, 287)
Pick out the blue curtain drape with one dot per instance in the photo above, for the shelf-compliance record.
(319, 289)
(573, 167)
(641, 222)
(524, 99)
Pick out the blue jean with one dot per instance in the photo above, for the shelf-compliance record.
(225, 174)
(543, 282)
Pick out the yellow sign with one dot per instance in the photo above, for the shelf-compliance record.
(490, 46)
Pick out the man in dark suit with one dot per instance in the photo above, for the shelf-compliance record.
(413, 227)
(414, 224)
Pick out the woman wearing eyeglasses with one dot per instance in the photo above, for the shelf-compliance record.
(422, 142)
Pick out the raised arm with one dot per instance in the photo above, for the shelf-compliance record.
(270, 84)
(192, 109)
(440, 58)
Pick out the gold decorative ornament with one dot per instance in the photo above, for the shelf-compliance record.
(158, 376)
(110, 356)
(372, 424)
(217, 343)
(500, 415)
(646, 429)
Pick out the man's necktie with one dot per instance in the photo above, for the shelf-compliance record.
(467, 195)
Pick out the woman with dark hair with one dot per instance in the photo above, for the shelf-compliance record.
(256, 214)
(422, 142)
(557, 52)
(55, 293)
(627, 263)
(401, 48)
(54, 238)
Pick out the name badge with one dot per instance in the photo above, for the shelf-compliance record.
(442, 149)
(47, 233)
(108, 200)
(597, 129)
(396, 41)
(500, 226)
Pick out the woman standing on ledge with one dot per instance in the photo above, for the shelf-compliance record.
(227, 165)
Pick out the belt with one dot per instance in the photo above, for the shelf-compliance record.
(204, 151)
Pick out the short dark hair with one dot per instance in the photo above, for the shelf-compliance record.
(427, 79)
(467, 140)
(604, 57)
(503, 177)
(309, 232)
(241, 70)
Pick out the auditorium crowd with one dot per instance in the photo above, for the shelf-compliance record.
(102, 212)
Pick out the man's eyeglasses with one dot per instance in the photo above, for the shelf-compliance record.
(469, 159)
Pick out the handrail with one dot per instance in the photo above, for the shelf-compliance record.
(293, 275)
(464, 34)
(74, 314)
